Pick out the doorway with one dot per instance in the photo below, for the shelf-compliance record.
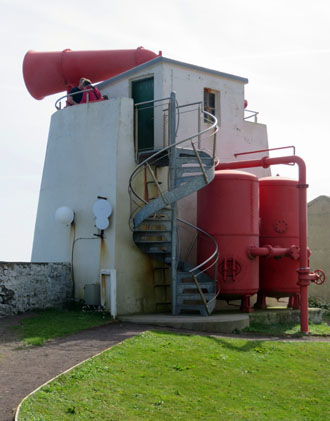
(143, 90)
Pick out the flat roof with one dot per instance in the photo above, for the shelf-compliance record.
(162, 59)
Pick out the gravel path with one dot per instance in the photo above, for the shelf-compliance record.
(22, 370)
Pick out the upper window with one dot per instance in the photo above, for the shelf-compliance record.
(210, 102)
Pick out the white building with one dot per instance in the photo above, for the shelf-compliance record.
(93, 149)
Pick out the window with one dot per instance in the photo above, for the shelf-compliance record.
(210, 102)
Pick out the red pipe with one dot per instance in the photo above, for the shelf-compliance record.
(274, 251)
(304, 275)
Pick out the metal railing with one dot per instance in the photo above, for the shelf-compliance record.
(207, 266)
(166, 152)
(194, 142)
(253, 114)
(58, 103)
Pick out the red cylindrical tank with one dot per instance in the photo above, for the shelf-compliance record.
(47, 73)
(279, 210)
(228, 210)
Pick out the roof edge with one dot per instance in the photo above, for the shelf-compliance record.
(168, 60)
(319, 198)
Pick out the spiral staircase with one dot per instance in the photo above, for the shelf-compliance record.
(154, 221)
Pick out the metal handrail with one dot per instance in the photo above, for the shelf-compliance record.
(216, 248)
(66, 96)
(197, 270)
(213, 259)
(160, 153)
(254, 114)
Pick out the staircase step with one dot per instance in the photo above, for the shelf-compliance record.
(181, 152)
(152, 236)
(192, 161)
(156, 225)
(188, 170)
(182, 180)
(154, 243)
(192, 308)
(151, 231)
(161, 256)
(201, 277)
(161, 160)
(192, 288)
(194, 297)
(156, 248)
(160, 215)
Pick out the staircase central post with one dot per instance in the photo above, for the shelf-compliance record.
(172, 116)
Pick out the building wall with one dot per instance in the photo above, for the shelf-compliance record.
(90, 153)
(94, 159)
(235, 134)
(31, 286)
(319, 243)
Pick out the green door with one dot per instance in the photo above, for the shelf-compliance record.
(143, 90)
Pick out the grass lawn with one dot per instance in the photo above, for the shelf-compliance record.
(48, 324)
(164, 376)
(288, 329)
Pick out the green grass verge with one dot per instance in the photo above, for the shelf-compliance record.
(48, 324)
(288, 329)
(163, 376)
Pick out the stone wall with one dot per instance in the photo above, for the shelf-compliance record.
(30, 286)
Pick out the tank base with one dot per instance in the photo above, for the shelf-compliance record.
(261, 302)
(294, 302)
(246, 305)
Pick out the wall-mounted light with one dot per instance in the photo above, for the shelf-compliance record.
(64, 215)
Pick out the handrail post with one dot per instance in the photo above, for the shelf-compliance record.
(201, 294)
(136, 137)
(199, 125)
(214, 145)
(157, 184)
(172, 124)
(200, 163)
(164, 129)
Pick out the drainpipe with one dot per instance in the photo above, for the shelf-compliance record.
(304, 274)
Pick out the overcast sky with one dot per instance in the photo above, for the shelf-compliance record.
(282, 47)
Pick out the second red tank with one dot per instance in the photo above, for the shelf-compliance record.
(279, 209)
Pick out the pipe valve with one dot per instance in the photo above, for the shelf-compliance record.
(319, 277)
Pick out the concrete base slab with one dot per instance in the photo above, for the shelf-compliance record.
(222, 323)
(229, 322)
(275, 315)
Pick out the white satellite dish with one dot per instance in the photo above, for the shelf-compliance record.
(102, 208)
(102, 223)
